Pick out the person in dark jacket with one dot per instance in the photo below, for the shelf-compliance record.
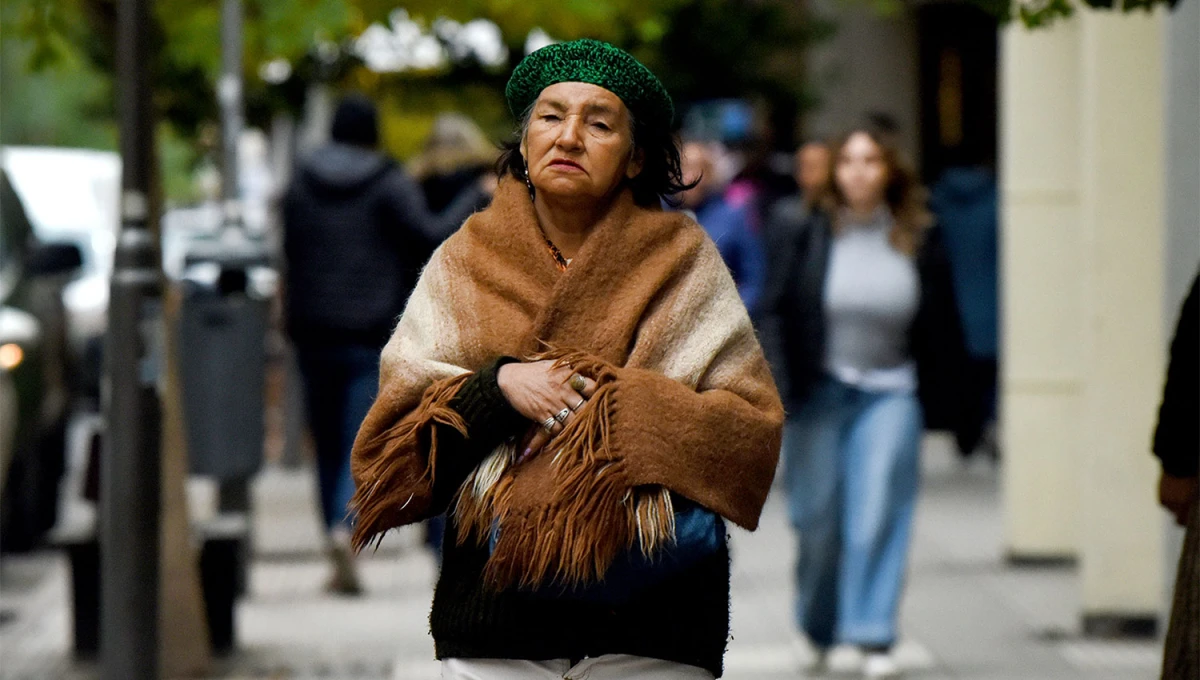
(356, 231)
(860, 319)
(1177, 446)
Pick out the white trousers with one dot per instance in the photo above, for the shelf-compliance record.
(607, 667)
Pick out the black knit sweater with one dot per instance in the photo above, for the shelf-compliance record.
(685, 619)
(1177, 438)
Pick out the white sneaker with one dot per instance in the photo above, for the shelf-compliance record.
(844, 660)
(344, 580)
(811, 657)
(880, 667)
(815, 666)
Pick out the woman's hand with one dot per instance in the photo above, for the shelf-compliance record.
(546, 395)
(1177, 494)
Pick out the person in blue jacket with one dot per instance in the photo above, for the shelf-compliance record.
(729, 226)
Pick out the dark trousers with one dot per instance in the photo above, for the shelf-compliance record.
(340, 384)
(1181, 655)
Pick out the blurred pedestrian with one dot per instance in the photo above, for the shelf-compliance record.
(744, 156)
(811, 173)
(355, 229)
(726, 224)
(456, 157)
(859, 310)
(1177, 446)
(964, 201)
(587, 483)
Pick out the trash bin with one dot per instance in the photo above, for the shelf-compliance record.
(222, 346)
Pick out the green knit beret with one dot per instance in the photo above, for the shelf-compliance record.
(595, 62)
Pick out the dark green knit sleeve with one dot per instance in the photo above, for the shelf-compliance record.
(490, 421)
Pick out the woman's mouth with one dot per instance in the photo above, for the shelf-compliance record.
(563, 163)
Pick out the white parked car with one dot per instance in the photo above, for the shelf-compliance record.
(73, 196)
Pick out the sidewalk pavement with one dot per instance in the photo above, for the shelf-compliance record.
(966, 615)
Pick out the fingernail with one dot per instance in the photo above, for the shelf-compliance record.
(525, 455)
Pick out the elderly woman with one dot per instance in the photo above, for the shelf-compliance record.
(576, 381)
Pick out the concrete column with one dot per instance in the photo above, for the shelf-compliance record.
(1042, 298)
(1182, 56)
(1182, 242)
(1122, 173)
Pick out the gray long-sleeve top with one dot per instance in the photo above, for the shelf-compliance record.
(871, 296)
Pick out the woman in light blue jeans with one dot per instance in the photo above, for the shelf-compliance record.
(859, 320)
(852, 470)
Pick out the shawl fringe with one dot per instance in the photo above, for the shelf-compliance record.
(376, 507)
(593, 515)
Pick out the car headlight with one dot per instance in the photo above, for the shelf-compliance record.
(18, 330)
(11, 356)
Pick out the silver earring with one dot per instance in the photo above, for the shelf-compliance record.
(528, 183)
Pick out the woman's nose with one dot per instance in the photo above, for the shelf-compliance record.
(569, 134)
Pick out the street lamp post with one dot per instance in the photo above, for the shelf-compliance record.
(234, 494)
(130, 498)
(229, 94)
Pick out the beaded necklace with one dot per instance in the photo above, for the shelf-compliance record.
(559, 261)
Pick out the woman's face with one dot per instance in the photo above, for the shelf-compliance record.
(579, 142)
(861, 173)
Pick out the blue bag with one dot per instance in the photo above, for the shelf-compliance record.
(699, 533)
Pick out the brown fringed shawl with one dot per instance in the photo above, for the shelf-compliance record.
(685, 400)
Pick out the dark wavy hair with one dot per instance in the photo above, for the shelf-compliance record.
(659, 181)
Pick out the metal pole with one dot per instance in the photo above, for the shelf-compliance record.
(229, 93)
(131, 495)
(233, 495)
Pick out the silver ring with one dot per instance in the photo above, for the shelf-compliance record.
(549, 423)
(562, 415)
(578, 406)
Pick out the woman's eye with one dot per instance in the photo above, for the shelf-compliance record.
(550, 117)
(601, 126)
